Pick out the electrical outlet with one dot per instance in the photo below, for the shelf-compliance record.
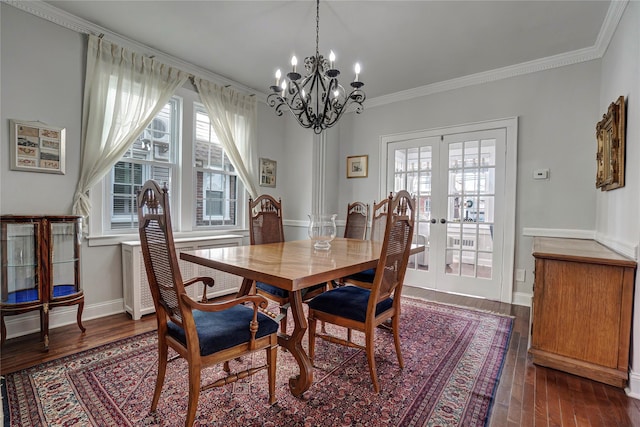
(520, 275)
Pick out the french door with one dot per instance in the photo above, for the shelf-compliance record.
(458, 180)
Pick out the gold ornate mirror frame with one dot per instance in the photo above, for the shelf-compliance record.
(611, 149)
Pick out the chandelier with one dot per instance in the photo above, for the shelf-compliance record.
(316, 101)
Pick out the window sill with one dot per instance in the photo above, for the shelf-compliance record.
(112, 240)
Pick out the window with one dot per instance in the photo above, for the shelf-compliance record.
(179, 147)
(216, 185)
(152, 156)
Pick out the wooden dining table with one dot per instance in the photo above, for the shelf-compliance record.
(292, 266)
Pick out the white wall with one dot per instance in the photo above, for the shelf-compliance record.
(555, 109)
(42, 79)
(618, 211)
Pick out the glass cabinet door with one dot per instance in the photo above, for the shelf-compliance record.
(20, 281)
(65, 259)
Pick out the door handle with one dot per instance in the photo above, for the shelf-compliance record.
(433, 221)
(443, 220)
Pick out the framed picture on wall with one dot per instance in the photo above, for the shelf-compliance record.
(37, 147)
(268, 172)
(610, 155)
(357, 166)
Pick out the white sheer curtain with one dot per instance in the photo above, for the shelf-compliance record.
(233, 117)
(123, 92)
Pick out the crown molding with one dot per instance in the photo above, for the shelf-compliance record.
(597, 51)
(614, 14)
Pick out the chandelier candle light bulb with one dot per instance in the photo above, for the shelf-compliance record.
(317, 100)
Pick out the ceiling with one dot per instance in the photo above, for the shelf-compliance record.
(400, 45)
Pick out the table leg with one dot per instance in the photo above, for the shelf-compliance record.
(300, 383)
(245, 288)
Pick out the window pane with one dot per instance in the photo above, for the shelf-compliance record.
(149, 157)
(216, 199)
(216, 185)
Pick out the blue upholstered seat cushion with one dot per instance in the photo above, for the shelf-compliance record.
(282, 293)
(28, 295)
(348, 301)
(224, 329)
(363, 276)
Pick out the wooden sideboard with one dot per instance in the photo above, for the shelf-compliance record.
(582, 309)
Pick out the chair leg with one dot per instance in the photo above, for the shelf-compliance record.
(396, 339)
(194, 392)
(312, 338)
(272, 357)
(372, 361)
(163, 354)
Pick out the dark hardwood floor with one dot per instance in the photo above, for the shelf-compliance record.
(527, 395)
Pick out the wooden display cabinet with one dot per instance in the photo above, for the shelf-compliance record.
(40, 267)
(582, 309)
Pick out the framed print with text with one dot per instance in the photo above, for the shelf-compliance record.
(268, 172)
(37, 147)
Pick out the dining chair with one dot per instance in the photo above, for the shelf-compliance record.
(265, 226)
(361, 309)
(204, 333)
(378, 225)
(357, 218)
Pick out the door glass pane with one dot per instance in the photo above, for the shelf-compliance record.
(413, 162)
(468, 264)
(488, 152)
(455, 155)
(471, 153)
(485, 263)
(412, 183)
(485, 237)
(400, 160)
(487, 207)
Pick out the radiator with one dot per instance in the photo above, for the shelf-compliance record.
(137, 294)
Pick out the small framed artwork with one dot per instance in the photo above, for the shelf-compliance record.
(37, 147)
(610, 155)
(357, 166)
(268, 172)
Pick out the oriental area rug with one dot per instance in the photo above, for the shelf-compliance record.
(453, 359)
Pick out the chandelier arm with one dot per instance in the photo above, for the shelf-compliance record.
(329, 110)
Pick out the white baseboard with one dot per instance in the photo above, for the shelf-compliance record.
(633, 388)
(28, 323)
(521, 298)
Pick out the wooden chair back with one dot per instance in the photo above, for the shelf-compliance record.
(379, 220)
(158, 252)
(357, 218)
(396, 250)
(265, 220)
